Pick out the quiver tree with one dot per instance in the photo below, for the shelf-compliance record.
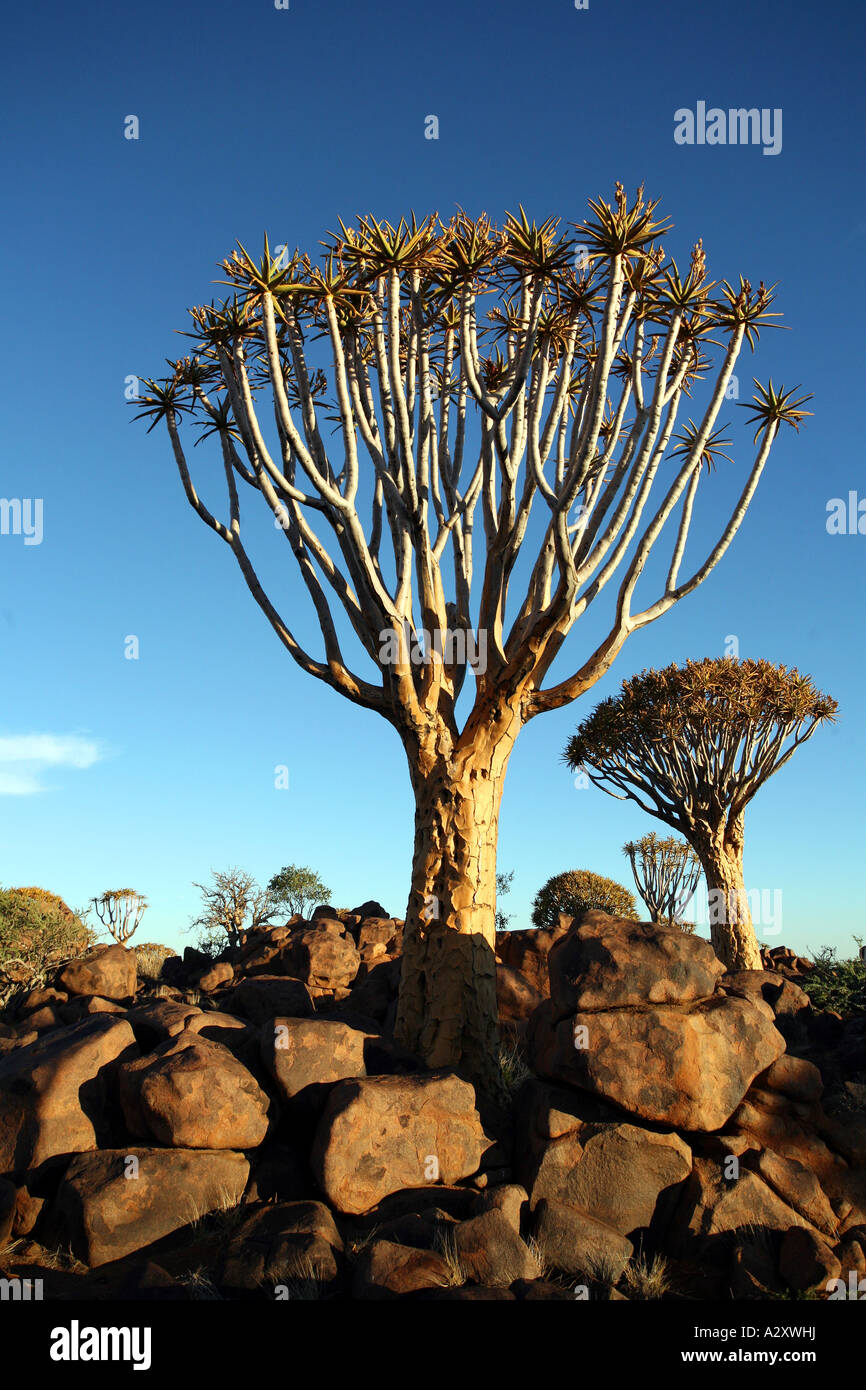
(666, 872)
(418, 377)
(691, 745)
(120, 911)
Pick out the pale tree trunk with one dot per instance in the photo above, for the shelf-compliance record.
(731, 931)
(447, 1011)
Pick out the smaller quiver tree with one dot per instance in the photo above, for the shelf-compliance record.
(691, 745)
(120, 911)
(666, 872)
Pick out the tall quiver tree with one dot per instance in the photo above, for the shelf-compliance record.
(692, 745)
(473, 367)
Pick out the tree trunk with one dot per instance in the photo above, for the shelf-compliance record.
(447, 1010)
(731, 931)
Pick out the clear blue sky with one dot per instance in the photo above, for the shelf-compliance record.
(149, 773)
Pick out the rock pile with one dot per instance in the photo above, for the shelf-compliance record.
(254, 1116)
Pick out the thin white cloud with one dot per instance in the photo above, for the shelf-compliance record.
(24, 757)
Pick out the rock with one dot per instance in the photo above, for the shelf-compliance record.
(220, 973)
(110, 1207)
(527, 952)
(8, 1201)
(37, 999)
(301, 1052)
(159, 1019)
(193, 1094)
(270, 996)
(688, 1065)
(509, 1198)
(713, 1209)
(110, 971)
(369, 909)
(606, 962)
(280, 1244)
(615, 1171)
(515, 996)
(55, 1094)
(797, 1186)
(753, 1270)
(793, 1077)
(380, 1134)
(386, 1270)
(374, 994)
(577, 1243)
(806, 1261)
(491, 1252)
(323, 955)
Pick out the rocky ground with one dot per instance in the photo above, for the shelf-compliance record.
(250, 1129)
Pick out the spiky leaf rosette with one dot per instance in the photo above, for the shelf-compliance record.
(698, 740)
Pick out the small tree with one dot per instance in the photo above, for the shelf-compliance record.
(235, 904)
(297, 889)
(691, 745)
(120, 911)
(578, 891)
(666, 872)
(503, 886)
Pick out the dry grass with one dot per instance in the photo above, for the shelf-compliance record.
(445, 1246)
(512, 1066)
(200, 1285)
(647, 1280)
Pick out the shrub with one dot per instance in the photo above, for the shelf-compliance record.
(577, 891)
(150, 956)
(839, 985)
(38, 932)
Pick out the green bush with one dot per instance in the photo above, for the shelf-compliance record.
(38, 932)
(577, 891)
(834, 984)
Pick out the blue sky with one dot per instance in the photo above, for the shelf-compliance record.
(150, 773)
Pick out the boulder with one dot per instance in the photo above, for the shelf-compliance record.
(575, 1242)
(369, 909)
(527, 952)
(191, 1093)
(616, 1171)
(796, 1185)
(109, 971)
(386, 1270)
(110, 1206)
(301, 1052)
(322, 954)
(491, 1252)
(55, 1094)
(380, 1134)
(221, 973)
(282, 1243)
(270, 996)
(159, 1019)
(516, 998)
(606, 962)
(806, 1261)
(686, 1065)
(716, 1211)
